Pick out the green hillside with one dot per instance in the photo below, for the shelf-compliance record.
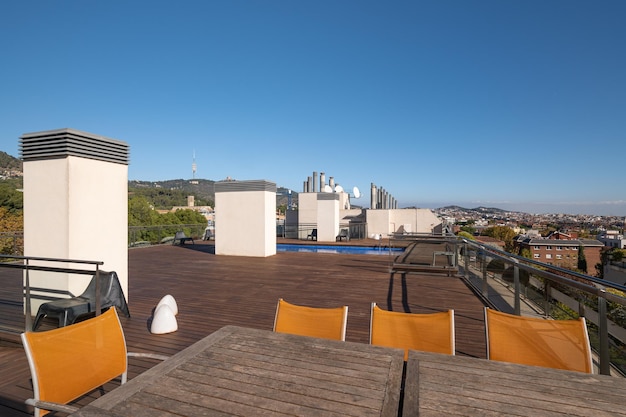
(9, 162)
(161, 194)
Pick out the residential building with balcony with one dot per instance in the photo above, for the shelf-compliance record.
(612, 239)
(561, 249)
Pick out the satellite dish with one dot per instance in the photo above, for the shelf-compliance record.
(356, 192)
(327, 189)
(338, 189)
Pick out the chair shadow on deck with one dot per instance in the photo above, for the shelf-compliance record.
(406, 308)
(204, 247)
(406, 305)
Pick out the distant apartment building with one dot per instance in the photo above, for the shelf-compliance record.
(561, 249)
(612, 239)
(614, 271)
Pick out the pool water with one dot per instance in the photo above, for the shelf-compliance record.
(350, 250)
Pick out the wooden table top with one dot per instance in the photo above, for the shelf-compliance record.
(443, 385)
(243, 371)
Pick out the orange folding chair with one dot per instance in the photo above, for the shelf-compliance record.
(431, 332)
(326, 323)
(71, 361)
(560, 344)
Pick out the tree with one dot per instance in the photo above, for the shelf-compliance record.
(465, 235)
(582, 261)
(503, 233)
(599, 270)
(607, 256)
(526, 253)
(10, 198)
(140, 213)
(469, 229)
(10, 223)
(186, 216)
(165, 198)
(616, 311)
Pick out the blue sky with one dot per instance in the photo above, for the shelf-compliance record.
(513, 104)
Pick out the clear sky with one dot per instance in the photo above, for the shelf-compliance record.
(517, 104)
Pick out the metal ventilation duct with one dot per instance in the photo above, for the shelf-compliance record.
(69, 142)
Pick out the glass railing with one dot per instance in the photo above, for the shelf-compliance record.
(29, 264)
(303, 231)
(523, 286)
(154, 235)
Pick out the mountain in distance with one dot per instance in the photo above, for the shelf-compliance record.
(204, 190)
(200, 189)
(481, 210)
(9, 162)
(10, 167)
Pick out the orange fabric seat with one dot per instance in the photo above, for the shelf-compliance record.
(560, 344)
(431, 332)
(74, 360)
(326, 323)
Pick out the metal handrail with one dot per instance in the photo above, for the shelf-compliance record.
(27, 267)
(590, 285)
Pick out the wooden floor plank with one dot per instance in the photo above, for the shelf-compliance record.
(215, 291)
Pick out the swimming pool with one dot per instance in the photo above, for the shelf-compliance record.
(350, 250)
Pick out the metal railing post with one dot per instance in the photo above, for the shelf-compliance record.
(517, 304)
(28, 325)
(556, 283)
(603, 334)
(466, 256)
(484, 268)
(98, 295)
(546, 308)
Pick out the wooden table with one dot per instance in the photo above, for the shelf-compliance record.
(249, 372)
(443, 385)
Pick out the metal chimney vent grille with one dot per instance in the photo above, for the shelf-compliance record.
(69, 142)
(248, 185)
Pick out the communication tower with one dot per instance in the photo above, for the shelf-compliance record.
(193, 165)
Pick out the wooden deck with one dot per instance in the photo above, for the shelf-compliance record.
(215, 291)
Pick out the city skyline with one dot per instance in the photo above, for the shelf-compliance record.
(365, 197)
(514, 105)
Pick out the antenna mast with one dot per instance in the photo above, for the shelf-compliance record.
(193, 165)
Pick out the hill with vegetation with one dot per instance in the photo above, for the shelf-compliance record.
(11, 169)
(171, 193)
(9, 162)
(481, 210)
(162, 195)
(167, 194)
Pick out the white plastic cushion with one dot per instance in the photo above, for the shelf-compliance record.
(168, 300)
(163, 321)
